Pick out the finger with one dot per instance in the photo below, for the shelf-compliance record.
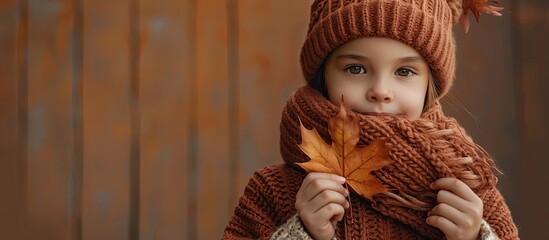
(457, 187)
(446, 211)
(452, 199)
(326, 197)
(330, 212)
(334, 223)
(318, 185)
(473, 209)
(313, 185)
(312, 176)
(319, 226)
(442, 223)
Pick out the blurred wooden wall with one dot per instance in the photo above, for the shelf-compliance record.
(141, 119)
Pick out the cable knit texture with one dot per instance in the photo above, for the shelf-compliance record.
(486, 232)
(294, 229)
(426, 25)
(424, 150)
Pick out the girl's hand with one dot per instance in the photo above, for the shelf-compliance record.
(459, 210)
(321, 203)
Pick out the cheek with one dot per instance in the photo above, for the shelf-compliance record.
(414, 101)
(334, 86)
(334, 92)
(415, 113)
(349, 90)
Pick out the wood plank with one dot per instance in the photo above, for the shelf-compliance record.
(532, 35)
(212, 111)
(50, 114)
(269, 72)
(166, 63)
(13, 101)
(107, 131)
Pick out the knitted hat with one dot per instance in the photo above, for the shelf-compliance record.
(425, 25)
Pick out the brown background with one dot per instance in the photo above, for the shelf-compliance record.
(142, 119)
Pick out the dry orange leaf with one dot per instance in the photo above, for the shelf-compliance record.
(477, 7)
(343, 157)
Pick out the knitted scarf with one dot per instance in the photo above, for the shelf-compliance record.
(424, 150)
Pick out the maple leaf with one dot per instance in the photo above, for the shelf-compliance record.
(343, 157)
(477, 7)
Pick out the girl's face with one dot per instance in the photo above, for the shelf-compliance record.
(378, 76)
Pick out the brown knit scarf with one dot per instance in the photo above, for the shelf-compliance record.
(424, 150)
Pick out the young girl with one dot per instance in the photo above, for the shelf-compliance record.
(392, 60)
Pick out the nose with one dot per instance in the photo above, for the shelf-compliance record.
(379, 92)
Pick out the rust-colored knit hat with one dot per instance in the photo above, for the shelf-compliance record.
(425, 25)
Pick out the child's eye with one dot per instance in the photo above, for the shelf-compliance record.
(356, 70)
(404, 72)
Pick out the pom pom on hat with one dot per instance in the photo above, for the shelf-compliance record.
(477, 7)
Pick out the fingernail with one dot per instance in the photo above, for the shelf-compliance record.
(347, 204)
(342, 179)
(432, 185)
(346, 193)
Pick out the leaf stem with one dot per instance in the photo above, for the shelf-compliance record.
(350, 204)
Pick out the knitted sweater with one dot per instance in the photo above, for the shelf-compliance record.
(423, 151)
(294, 229)
(267, 211)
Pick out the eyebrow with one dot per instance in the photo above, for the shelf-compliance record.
(411, 59)
(362, 58)
(352, 56)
